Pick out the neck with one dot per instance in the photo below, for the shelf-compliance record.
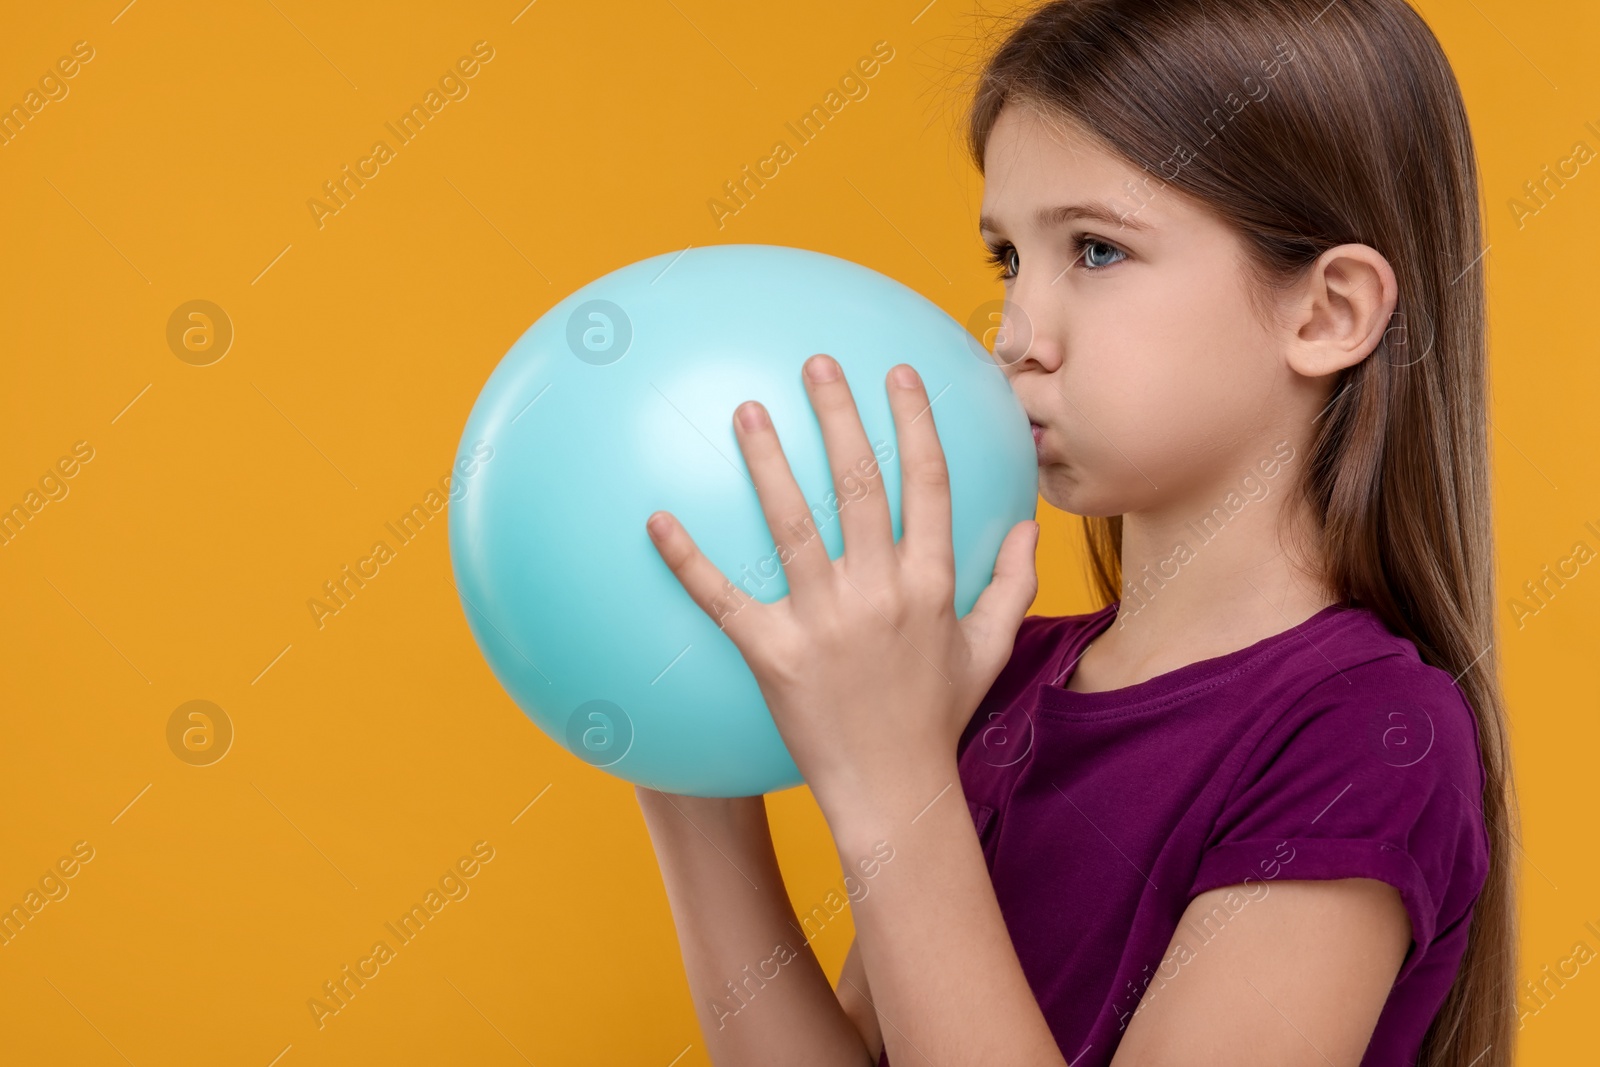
(1214, 573)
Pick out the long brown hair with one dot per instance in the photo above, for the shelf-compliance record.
(1310, 124)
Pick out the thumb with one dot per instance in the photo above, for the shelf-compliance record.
(992, 624)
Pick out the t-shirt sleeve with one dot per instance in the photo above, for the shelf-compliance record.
(1373, 773)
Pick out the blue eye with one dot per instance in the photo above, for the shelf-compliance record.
(1092, 252)
(1097, 254)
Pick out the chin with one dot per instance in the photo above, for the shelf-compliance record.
(1065, 489)
(1061, 489)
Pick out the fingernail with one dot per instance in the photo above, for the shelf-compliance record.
(822, 368)
(751, 417)
(904, 376)
(657, 524)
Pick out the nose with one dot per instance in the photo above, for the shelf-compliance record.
(1024, 340)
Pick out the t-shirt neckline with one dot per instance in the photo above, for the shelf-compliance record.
(1053, 694)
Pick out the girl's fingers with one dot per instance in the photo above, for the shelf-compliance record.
(733, 610)
(924, 476)
(794, 530)
(857, 481)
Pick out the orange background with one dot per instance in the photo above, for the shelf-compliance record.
(372, 754)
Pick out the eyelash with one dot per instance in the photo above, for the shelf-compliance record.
(999, 254)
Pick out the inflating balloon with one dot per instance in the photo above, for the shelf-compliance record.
(619, 402)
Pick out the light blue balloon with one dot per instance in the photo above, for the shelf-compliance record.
(618, 402)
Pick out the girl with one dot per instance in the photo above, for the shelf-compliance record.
(1253, 810)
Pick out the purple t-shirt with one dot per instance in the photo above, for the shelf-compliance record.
(1326, 751)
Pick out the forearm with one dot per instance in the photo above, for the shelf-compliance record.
(941, 969)
(758, 990)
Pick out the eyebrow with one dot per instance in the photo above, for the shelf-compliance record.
(1049, 217)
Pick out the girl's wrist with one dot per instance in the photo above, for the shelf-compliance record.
(886, 804)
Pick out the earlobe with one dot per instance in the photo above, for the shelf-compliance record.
(1344, 303)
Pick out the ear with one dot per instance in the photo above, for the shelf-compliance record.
(1340, 310)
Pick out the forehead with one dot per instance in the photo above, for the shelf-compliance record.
(1036, 159)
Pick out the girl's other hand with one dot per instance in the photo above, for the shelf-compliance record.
(699, 810)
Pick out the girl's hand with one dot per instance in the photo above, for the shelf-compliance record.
(868, 673)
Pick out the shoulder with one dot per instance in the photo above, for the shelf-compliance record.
(1387, 707)
(1371, 766)
(1355, 688)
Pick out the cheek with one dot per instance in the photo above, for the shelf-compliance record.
(1163, 388)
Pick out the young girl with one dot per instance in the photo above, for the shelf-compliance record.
(1255, 809)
